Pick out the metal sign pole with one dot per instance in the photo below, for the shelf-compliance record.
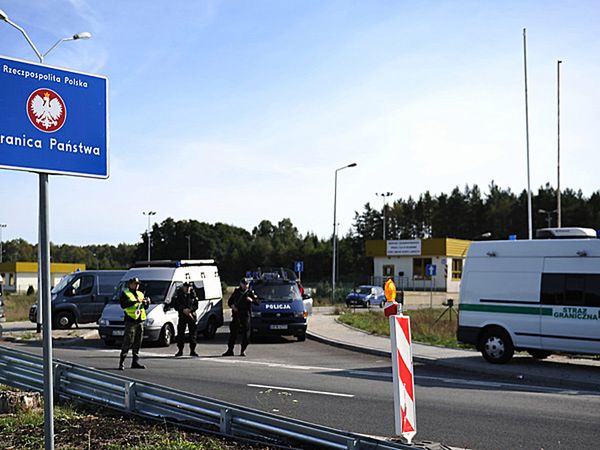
(44, 295)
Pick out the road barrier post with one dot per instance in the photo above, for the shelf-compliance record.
(403, 375)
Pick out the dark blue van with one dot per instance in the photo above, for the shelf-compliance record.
(281, 311)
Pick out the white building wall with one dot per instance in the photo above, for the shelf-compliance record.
(442, 279)
(24, 280)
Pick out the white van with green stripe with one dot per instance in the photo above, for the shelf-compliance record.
(541, 296)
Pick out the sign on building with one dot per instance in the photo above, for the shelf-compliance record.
(405, 247)
(53, 120)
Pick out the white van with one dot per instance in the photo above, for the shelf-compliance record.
(542, 296)
(160, 280)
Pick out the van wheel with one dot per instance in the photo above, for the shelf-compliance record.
(166, 335)
(539, 354)
(301, 337)
(109, 342)
(496, 346)
(211, 328)
(64, 320)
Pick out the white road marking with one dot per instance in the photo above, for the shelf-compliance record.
(306, 391)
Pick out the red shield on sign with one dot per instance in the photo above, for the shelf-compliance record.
(46, 110)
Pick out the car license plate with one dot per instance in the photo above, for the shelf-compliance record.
(278, 327)
(118, 332)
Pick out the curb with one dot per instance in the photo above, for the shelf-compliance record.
(481, 369)
(55, 341)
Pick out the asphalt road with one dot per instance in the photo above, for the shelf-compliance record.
(352, 391)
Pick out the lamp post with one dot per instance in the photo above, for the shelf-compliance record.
(335, 231)
(384, 195)
(44, 260)
(149, 213)
(548, 216)
(189, 242)
(2, 225)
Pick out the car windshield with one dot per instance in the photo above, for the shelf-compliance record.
(63, 283)
(277, 292)
(156, 290)
(363, 290)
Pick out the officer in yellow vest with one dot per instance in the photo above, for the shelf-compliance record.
(134, 305)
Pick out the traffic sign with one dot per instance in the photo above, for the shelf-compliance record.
(299, 266)
(431, 270)
(53, 120)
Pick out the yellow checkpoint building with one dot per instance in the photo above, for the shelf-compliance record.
(18, 276)
(407, 261)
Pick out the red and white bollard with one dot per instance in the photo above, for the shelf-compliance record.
(402, 369)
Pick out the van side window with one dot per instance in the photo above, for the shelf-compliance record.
(200, 293)
(570, 289)
(592, 290)
(83, 285)
(574, 290)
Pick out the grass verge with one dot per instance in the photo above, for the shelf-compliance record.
(80, 428)
(427, 325)
(17, 307)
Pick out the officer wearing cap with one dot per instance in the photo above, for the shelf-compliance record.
(134, 305)
(185, 303)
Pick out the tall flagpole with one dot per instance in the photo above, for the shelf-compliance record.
(558, 209)
(529, 215)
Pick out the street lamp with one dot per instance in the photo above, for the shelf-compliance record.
(335, 230)
(149, 213)
(189, 242)
(384, 195)
(44, 265)
(2, 225)
(548, 215)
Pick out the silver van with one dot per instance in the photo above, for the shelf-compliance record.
(80, 297)
(160, 281)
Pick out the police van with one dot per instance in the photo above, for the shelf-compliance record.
(541, 296)
(160, 281)
(282, 311)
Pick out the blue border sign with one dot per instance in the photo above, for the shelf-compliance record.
(53, 120)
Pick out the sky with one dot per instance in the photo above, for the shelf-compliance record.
(236, 111)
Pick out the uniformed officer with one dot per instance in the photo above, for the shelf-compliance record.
(240, 303)
(185, 303)
(134, 305)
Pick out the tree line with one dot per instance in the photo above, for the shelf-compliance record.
(466, 214)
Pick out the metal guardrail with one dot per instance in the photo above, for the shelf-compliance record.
(75, 382)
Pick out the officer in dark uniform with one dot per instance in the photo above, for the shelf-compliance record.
(185, 303)
(240, 303)
(134, 305)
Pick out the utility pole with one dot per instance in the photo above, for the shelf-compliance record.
(384, 195)
(148, 238)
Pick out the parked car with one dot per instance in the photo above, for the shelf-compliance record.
(367, 296)
(160, 280)
(80, 297)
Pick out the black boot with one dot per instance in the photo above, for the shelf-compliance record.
(136, 365)
(179, 352)
(193, 351)
(122, 362)
(229, 352)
